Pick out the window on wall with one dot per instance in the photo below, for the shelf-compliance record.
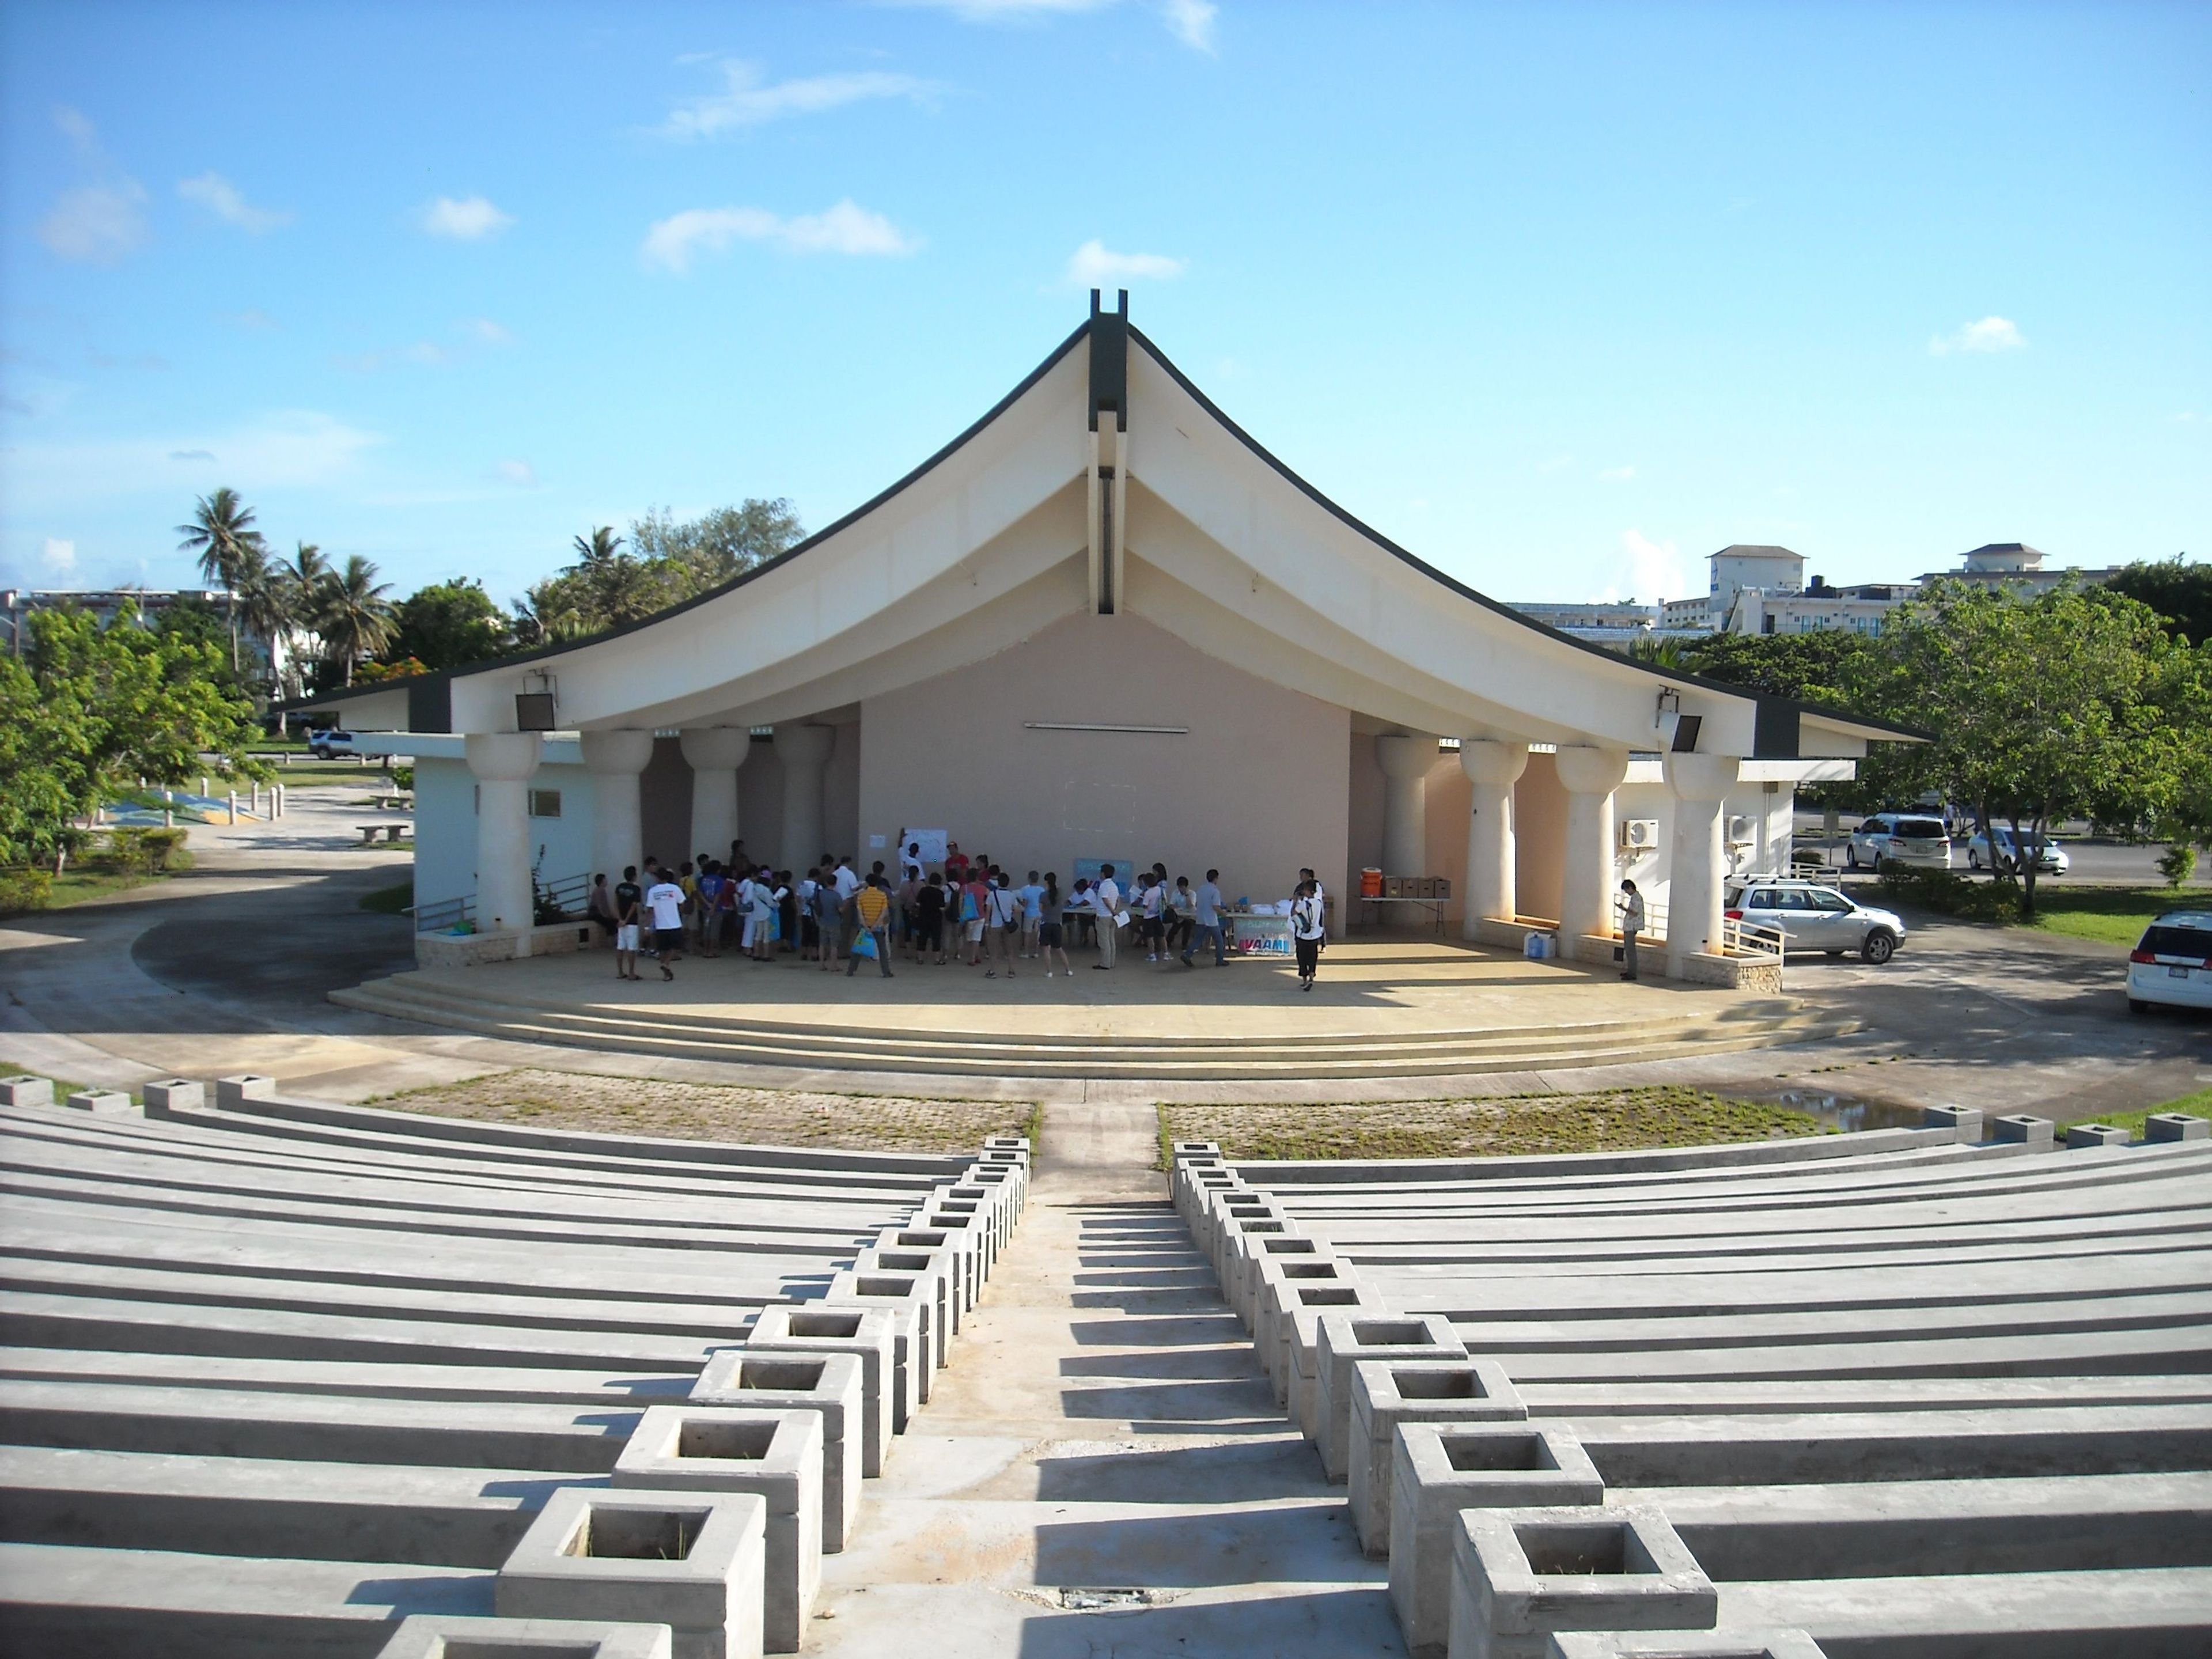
(545, 803)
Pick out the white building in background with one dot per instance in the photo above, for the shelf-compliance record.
(2017, 568)
(105, 604)
(1104, 624)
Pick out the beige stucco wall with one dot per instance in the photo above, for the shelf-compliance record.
(1257, 788)
(1540, 838)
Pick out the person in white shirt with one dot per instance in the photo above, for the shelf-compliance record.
(1106, 901)
(1306, 932)
(1032, 894)
(1154, 902)
(847, 883)
(665, 899)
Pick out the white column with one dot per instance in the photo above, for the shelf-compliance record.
(1493, 768)
(804, 752)
(1697, 858)
(1405, 762)
(614, 758)
(503, 763)
(1590, 775)
(715, 753)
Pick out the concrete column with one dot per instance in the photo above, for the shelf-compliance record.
(714, 754)
(1493, 768)
(1590, 775)
(1405, 762)
(804, 752)
(615, 759)
(503, 763)
(1697, 864)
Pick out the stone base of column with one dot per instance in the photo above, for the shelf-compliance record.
(501, 944)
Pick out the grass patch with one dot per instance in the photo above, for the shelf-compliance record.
(390, 901)
(1033, 1126)
(1608, 1119)
(706, 1111)
(2197, 1104)
(2110, 915)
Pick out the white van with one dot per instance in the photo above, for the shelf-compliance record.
(2171, 963)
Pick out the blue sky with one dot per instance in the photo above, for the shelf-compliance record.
(1563, 297)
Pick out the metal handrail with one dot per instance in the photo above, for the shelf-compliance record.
(1753, 938)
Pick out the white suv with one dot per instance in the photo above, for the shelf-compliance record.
(327, 745)
(1911, 838)
(2173, 963)
(1811, 917)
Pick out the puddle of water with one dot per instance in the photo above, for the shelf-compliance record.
(1847, 1112)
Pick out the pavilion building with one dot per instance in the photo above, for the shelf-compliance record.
(1104, 624)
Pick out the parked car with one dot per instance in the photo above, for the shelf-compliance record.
(1812, 917)
(2052, 862)
(2171, 963)
(324, 746)
(1900, 838)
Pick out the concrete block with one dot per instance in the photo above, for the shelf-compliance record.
(1181, 1151)
(2095, 1134)
(777, 1455)
(1964, 1121)
(2160, 1127)
(26, 1090)
(690, 1560)
(175, 1094)
(1341, 1342)
(963, 1213)
(103, 1102)
(1268, 1246)
(1386, 1393)
(1300, 1321)
(1274, 1278)
(1236, 1259)
(910, 1369)
(865, 1335)
(940, 1264)
(989, 1198)
(967, 1273)
(237, 1091)
(856, 1287)
(2024, 1129)
(1440, 1469)
(1519, 1575)
(827, 1384)
(439, 1636)
(1750, 1643)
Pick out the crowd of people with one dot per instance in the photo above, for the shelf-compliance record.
(965, 910)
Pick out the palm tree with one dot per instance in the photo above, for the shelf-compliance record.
(221, 532)
(356, 620)
(268, 598)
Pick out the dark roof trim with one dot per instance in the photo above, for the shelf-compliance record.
(1461, 588)
(447, 676)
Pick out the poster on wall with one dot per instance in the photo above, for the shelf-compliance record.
(932, 843)
(1088, 870)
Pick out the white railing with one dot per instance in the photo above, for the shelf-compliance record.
(1753, 938)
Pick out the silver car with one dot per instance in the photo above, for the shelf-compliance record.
(1913, 838)
(1812, 917)
(2051, 862)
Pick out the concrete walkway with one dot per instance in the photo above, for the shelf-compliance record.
(1103, 1469)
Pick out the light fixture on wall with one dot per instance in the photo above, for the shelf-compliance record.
(1670, 702)
(534, 708)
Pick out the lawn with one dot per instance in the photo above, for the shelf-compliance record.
(2199, 1104)
(1608, 1119)
(703, 1111)
(2111, 916)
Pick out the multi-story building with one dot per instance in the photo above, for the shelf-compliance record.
(105, 604)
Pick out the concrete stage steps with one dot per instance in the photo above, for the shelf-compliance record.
(486, 1005)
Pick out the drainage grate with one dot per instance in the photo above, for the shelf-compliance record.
(1094, 1600)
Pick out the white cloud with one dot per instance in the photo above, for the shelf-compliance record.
(1650, 571)
(748, 101)
(99, 224)
(252, 316)
(1190, 21)
(59, 556)
(844, 229)
(1990, 334)
(520, 474)
(1094, 265)
(463, 219)
(1617, 475)
(486, 331)
(227, 202)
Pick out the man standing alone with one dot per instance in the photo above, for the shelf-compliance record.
(1631, 923)
(872, 911)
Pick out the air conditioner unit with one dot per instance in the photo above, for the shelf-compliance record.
(1743, 830)
(1639, 835)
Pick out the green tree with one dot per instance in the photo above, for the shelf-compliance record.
(90, 710)
(448, 625)
(718, 546)
(356, 619)
(1819, 667)
(667, 562)
(2042, 707)
(2180, 593)
(221, 535)
(269, 600)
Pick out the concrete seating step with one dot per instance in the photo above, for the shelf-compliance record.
(312, 1376)
(101, 1604)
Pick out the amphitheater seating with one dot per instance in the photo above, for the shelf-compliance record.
(278, 1376)
(1907, 1394)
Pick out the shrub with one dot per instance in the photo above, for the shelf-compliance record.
(1950, 895)
(403, 777)
(25, 890)
(2178, 864)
